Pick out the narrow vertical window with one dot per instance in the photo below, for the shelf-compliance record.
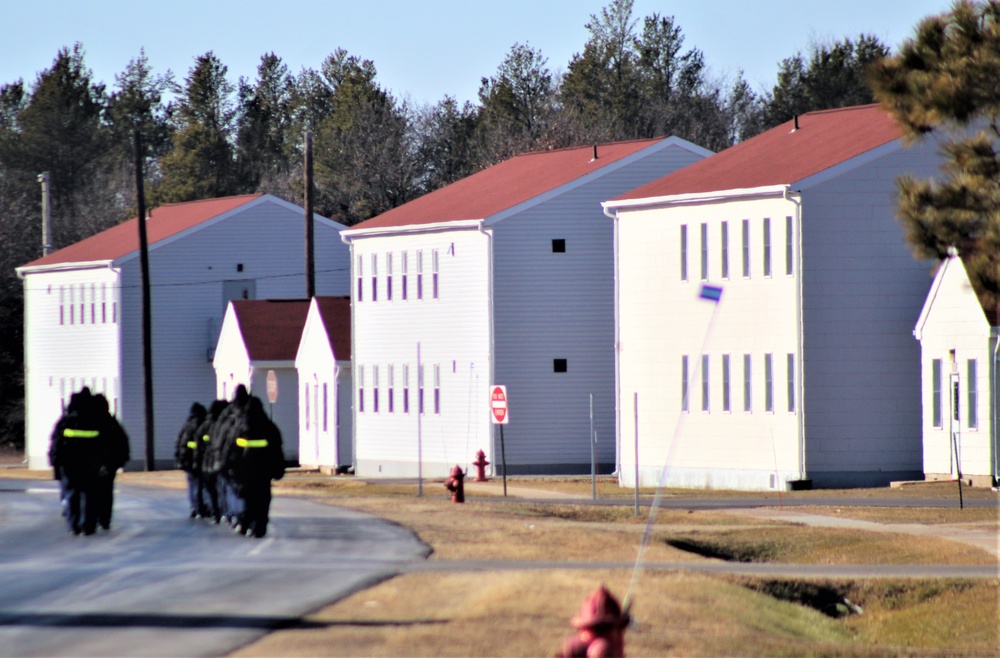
(307, 405)
(72, 305)
(972, 387)
(434, 271)
(375, 278)
(83, 303)
(789, 251)
(375, 374)
(747, 383)
(361, 389)
(406, 389)
(724, 239)
(361, 279)
(684, 383)
(388, 278)
(437, 388)
(420, 388)
(704, 383)
(936, 392)
(420, 274)
(746, 248)
(684, 252)
(726, 402)
(767, 246)
(791, 383)
(405, 266)
(93, 303)
(62, 305)
(325, 407)
(104, 308)
(704, 252)
(768, 383)
(391, 376)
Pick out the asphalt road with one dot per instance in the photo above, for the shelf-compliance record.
(159, 584)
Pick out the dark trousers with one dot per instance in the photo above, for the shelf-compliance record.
(210, 495)
(81, 506)
(235, 504)
(104, 498)
(257, 494)
(194, 493)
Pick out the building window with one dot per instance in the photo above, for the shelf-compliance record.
(361, 279)
(684, 383)
(62, 305)
(437, 388)
(420, 388)
(361, 389)
(375, 279)
(767, 246)
(747, 384)
(325, 408)
(72, 305)
(704, 252)
(559, 246)
(684, 252)
(93, 303)
(388, 277)
(768, 383)
(725, 383)
(391, 376)
(420, 274)
(104, 308)
(406, 389)
(789, 252)
(791, 383)
(746, 248)
(83, 303)
(972, 387)
(936, 392)
(560, 365)
(434, 272)
(725, 250)
(704, 383)
(307, 404)
(375, 375)
(406, 267)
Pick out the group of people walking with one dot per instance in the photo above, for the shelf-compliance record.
(88, 447)
(230, 453)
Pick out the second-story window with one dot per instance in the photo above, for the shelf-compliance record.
(420, 274)
(434, 272)
(405, 264)
(360, 274)
(388, 278)
(704, 252)
(374, 277)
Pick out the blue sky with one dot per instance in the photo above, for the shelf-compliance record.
(422, 50)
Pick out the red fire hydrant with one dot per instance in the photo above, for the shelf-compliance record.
(456, 485)
(480, 465)
(601, 625)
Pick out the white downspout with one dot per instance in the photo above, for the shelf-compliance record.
(489, 313)
(800, 365)
(993, 404)
(613, 214)
(346, 239)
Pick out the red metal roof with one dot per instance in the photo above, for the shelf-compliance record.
(164, 222)
(271, 328)
(505, 185)
(336, 315)
(782, 156)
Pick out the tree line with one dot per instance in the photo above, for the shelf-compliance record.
(205, 137)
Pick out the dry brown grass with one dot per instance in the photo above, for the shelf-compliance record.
(980, 517)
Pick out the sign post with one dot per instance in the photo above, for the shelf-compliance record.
(500, 416)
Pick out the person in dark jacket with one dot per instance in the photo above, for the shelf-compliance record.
(187, 457)
(115, 444)
(257, 459)
(76, 456)
(230, 486)
(210, 440)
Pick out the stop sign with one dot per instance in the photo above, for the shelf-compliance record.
(272, 387)
(498, 405)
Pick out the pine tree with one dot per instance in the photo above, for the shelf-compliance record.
(944, 81)
(263, 151)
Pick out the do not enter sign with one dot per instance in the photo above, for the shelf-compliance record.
(498, 405)
(272, 387)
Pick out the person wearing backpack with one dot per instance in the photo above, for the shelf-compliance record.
(187, 457)
(209, 435)
(75, 453)
(260, 461)
(115, 445)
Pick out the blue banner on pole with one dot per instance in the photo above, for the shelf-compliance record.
(711, 293)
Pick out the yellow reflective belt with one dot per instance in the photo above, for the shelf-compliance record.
(81, 434)
(205, 437)
(251, 443)
(192, 444)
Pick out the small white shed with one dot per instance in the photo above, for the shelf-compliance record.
(323, 363)
(958, 366)
(258, 338)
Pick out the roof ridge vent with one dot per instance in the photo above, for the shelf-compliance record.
(595, 153)
(795, 122)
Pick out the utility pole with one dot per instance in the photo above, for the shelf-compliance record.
(43, 178)
(310, 237)
(147, 322)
